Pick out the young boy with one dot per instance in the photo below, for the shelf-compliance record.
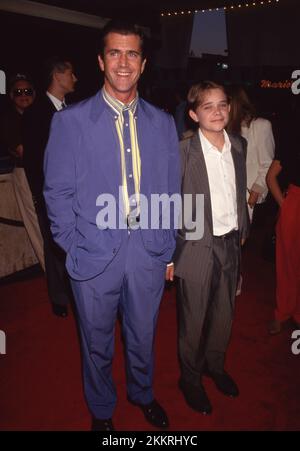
(213, 164)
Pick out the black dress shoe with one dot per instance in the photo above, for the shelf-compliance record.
(224, 383)
(60, 310)
(195, 397)
(154, 413)
(102, 425)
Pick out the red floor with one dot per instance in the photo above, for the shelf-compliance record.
(40, 375)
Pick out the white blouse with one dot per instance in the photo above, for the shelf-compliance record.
(260, 154)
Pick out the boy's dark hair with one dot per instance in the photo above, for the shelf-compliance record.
(195, 94)
(121, 27)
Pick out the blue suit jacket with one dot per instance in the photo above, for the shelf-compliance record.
(82, 160)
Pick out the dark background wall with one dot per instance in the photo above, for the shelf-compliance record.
(27, 41)
(265, 36)
(262, 43)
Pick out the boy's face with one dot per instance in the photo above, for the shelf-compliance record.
(213, 112)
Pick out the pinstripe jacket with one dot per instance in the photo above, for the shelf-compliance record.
(192, 256)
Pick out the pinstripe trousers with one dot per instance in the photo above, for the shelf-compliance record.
(205, 311)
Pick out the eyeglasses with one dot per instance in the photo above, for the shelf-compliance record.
(26, 91)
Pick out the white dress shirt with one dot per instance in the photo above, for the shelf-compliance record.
(56, 102)
(222, 185)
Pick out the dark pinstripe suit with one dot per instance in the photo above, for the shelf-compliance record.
(207, 268)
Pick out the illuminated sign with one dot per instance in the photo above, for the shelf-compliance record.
(287, 84)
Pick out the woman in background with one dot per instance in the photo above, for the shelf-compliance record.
(257, 131)
(287, 161)
(260, 150)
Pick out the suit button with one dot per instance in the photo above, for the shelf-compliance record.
(114, 250)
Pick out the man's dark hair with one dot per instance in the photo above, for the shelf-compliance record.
(54, 64)
(121, 27)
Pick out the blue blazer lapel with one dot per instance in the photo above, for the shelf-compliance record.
(145, 134)
(104, 140)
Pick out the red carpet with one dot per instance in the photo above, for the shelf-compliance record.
(40, 375)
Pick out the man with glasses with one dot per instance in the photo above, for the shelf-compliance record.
(22, 96)
(60, 80)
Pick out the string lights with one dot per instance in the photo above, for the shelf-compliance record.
(250, 4)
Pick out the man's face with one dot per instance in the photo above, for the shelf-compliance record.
(22, 95)
(122, 65)
(66, 80)
(213, 112)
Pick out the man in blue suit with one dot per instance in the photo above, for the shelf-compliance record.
(114, 143)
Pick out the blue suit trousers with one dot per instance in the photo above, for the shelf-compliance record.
(131, 285)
